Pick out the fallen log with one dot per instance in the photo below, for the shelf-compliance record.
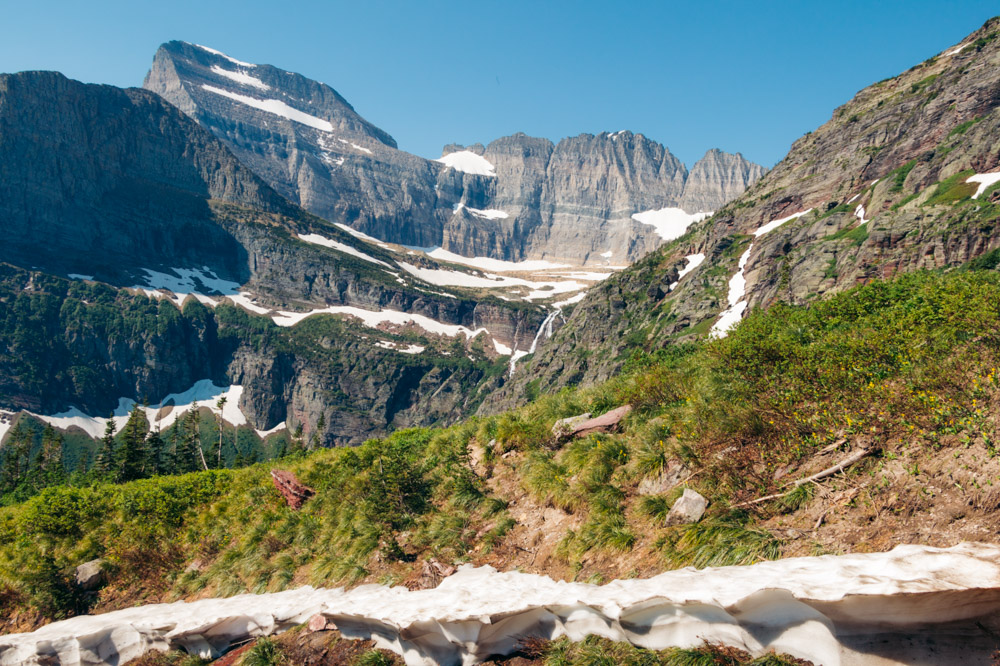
(295, 493)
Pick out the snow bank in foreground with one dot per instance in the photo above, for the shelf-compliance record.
(468, 162)
(985, 180)
(669, 223)
(832, 610)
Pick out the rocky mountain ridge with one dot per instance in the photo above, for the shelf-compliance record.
(883, 187)
(570, 202)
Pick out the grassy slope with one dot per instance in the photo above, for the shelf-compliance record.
(907, 367)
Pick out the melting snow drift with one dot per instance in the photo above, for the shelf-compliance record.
(669, 223)
(468, 162)
(832, 610)
(985, 180)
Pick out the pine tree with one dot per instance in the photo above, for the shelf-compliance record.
(106, 456)
(133, 453)
(15, 457)
(155, 463)
(317, 435)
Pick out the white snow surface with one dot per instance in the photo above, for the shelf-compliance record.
(229, 58)
(79, 276)
(985, 180)
(240, 77)
(186, 282)
(405, 349)
(693, 262)
(274, 106)
(774, 224)
(540, 289)
(203, 394)
(487, 264)
(956, 50)
(317, 239)
(374, 319)
(6, 420)
(669, 223)
(468, 162)
(487, 214)
(859, 212)
(835, 610)
(737, 290)
(362, 235)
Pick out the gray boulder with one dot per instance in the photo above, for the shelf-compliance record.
(689, 508)
(90, 575)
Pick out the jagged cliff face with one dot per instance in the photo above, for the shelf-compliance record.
(569, 202)
(884, 187)
(119, 187)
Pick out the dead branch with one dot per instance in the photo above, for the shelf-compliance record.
(829, 471)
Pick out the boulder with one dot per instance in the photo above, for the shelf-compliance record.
(604, 423)
(664, 482)
(564, 427)
(295, 493)
(689, 508)
(90, 575)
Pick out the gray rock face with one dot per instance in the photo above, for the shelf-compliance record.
(90, 575)
(886, 156)
(569, 202)
(718, 178)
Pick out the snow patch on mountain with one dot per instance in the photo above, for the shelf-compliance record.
(985, 180)
(317, 239)
(162, 415)
(273, 106)
(693, 262)
(669, 223)
(240, 77)
(488, 264)
(468, 162)
(227, 57)
(774, 224)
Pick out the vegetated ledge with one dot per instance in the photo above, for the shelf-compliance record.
(914, 603)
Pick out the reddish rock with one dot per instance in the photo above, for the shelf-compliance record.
(295, 493)
(603, 423)
(319, 622)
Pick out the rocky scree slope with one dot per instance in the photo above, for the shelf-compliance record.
(884, 187)
(529, 199)
(119, 186)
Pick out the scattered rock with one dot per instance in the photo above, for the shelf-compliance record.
(564, 427)
(666, 481)
(432, 574)
(320, 622)
(603, 423)
(90, 575)
(195, 566)
(689, 508)
(295, 493)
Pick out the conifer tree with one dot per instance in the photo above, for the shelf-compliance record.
(316, 440)
(155, 464)
(220, 405)
(133, 453)
(106, 455)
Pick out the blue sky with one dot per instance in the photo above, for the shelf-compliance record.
(742, 76)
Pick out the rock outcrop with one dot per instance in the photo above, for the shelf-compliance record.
(881, 188)
(569, 202)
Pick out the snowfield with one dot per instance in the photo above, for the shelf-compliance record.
(832, 610)
(161, 415)
(316, 239)
(274, 106)
(241, 78)
(985, 180)
(738, 283)
(693, 262)
(669, 223)
(468, 162)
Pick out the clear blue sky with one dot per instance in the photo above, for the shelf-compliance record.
(742, 76)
